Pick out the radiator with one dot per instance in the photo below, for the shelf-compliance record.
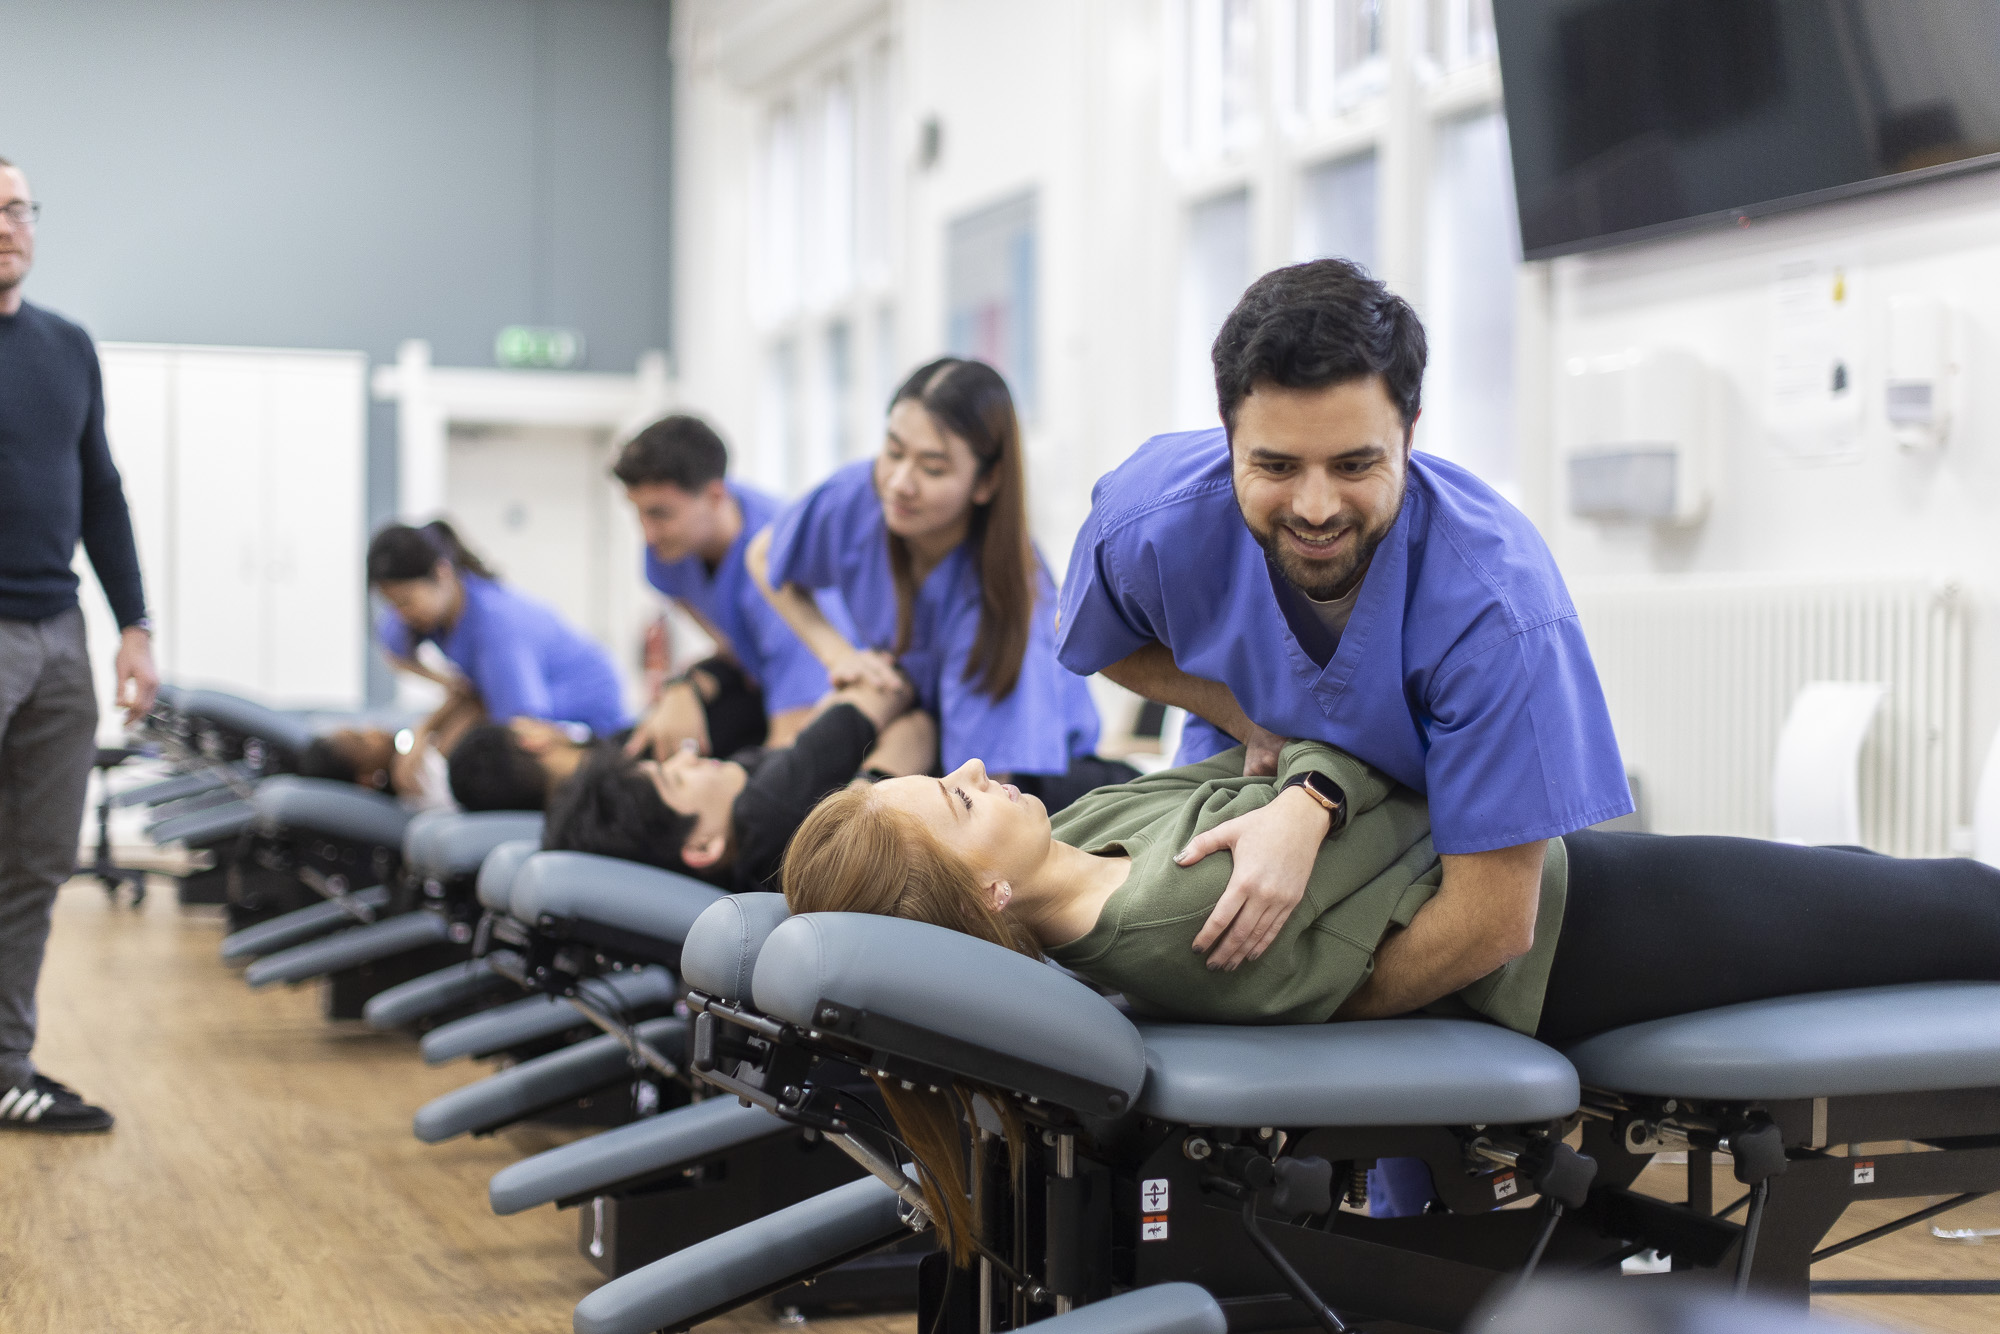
(1699, 671)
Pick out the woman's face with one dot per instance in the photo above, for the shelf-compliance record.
(1001, 831)
(928, 480)
(424, 605)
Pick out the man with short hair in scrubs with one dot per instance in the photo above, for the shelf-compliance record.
(1299, 572)
(697, 522)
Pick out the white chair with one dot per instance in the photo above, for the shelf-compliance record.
(1816, 779)
(1986, 808)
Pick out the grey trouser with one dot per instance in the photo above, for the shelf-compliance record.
(48, 740)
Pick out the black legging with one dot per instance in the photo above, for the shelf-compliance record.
(1668, 924)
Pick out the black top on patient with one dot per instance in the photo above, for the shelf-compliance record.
(57, 480)
(612, 809)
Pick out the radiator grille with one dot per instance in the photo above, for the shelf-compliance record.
(1699, 671)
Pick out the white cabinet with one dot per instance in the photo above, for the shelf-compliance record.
(244, 469)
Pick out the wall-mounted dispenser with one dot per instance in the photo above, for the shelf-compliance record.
(1922, 387)
(1637, 436)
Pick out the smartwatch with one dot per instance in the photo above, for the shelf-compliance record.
(1324, 791)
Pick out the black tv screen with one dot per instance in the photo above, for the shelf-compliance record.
(1635, 118)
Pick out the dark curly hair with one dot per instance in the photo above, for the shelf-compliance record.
(1316, 324)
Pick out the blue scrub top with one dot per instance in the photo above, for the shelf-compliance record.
(524, 660)
(729, 599)
(834, 538)
(1462, 673)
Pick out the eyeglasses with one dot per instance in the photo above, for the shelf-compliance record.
(22, 212)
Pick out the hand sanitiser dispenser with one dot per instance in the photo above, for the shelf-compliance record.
(1920, 391)
(1638, 436)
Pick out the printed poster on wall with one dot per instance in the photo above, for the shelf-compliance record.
(1814, 403)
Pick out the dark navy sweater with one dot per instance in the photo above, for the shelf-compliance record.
(57, 481)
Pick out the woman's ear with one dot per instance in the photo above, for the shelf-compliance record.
(999, 894)
(702, 853)
(988, 483)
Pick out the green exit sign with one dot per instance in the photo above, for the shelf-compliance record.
(519, 347)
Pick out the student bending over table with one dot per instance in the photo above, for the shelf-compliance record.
(727, 821)
(1628, 927)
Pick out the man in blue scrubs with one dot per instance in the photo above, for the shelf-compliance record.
(1299, 572)
(697, 525)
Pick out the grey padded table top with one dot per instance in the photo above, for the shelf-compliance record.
(1908, 1039)
(497, 872)
(720, 955)
(644, 900)
(1381, 1072)
(954, 986)
(337, 810)
(456, 844)
(246, 716)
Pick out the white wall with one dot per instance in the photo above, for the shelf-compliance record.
(1877, 510)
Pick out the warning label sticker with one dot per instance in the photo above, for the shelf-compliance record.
(1153, 1195)
(1152, 1229)
(1864, 1172)
(1506, 1186)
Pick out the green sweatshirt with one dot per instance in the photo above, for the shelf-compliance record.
(1373, 877)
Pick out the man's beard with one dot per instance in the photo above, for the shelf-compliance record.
(1323, 581)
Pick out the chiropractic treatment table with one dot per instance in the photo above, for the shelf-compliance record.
(1219, 1155)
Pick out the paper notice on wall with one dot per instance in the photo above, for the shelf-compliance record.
(1814, 405)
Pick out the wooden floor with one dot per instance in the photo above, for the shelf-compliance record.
(263, 1177)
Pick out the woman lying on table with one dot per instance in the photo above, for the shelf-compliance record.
(1629, 927)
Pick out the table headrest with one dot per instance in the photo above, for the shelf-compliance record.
(720, 956)
(456, 843)
(334, 809)
(954, 1003)
(496, 873)
(247, 717)
(629, 897)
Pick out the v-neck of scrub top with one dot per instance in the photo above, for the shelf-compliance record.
(1327, 681)
(1317, 626)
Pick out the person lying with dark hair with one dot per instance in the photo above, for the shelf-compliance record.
(370, 758)
(727, 821)
(516, 765)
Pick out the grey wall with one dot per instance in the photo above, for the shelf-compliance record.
(347, 173)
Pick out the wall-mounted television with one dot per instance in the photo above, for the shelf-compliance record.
(1637, 118)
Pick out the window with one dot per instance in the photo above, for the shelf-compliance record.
(1472, 246)
(832, 236)
(776, 293)
(1216, 76)
(1215, 268)
(824, 201)
(990, 293)
(1337, 211)
(1336, 54)
(889, 371)
(1458, 32)
(778, 419)
(836, 415)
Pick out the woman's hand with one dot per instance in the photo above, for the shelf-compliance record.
(866, 667)
(1273, 851)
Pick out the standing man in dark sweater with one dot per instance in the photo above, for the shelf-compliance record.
(57, 485)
